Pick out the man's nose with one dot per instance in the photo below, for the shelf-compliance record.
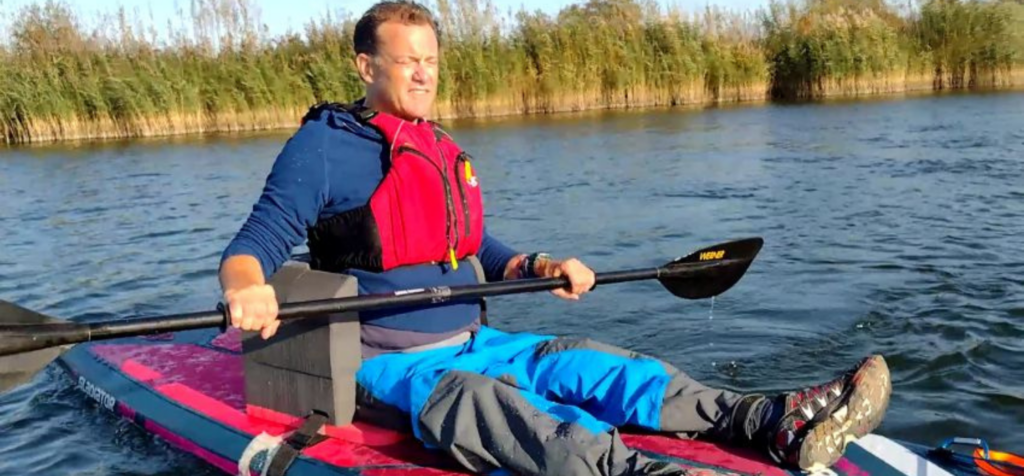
(421, 73)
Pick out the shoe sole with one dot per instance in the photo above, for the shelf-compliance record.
(859, 415)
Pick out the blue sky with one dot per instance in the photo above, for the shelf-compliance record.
(280, 15)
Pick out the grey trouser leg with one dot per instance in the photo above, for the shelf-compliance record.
(691, 407)
(487, 424)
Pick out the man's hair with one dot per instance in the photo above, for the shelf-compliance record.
(404, 11)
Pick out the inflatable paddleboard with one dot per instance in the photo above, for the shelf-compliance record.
(188, 389)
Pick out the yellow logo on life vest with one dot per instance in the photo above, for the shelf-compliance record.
(710, 255)
(470, 178)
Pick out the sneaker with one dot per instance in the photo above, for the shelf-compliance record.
(818, 422)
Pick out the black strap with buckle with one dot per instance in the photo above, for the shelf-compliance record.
(305, 436)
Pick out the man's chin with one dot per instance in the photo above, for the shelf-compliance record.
(419, 107)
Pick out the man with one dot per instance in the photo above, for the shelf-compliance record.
(387, 196)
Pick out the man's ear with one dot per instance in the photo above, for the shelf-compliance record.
(364, 65)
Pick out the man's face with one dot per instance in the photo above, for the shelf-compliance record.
(402, 77)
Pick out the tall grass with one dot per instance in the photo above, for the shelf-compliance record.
(216, 68)
(969, 43)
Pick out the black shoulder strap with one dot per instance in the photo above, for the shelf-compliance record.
(439, 131)
(305, 436)
(357, 109)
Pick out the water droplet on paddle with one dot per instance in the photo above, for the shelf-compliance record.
(711, 316)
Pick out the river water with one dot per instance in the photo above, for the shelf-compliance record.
(890, 226)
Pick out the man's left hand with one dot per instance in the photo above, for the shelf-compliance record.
(581, 277)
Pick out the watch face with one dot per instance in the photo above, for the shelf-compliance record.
(531, 262)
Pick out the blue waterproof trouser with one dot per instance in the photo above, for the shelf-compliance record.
(536, 404)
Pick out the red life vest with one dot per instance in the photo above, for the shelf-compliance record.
(428, 208)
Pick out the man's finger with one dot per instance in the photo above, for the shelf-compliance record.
(562, 293)
(236, 313)
(261, 313)
(585, 284)
(270, 330)
(272, 309)
(579, 285)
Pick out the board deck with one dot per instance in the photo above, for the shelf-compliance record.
(188, 389)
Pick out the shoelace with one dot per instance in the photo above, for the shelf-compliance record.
(814, 399)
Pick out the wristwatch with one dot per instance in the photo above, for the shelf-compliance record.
(529, 265)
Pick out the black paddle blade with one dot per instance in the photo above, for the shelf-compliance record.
(710, 271)
(21, 367)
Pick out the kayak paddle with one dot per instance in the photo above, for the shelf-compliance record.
(31, 340)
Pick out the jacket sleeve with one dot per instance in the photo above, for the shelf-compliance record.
(494, 256)
(293, 196)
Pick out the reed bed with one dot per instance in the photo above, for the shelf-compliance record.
(216, 68)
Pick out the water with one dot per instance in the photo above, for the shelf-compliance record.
(889, 226)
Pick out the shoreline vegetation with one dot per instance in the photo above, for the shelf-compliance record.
(216, 69)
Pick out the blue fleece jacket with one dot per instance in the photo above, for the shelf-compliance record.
(333, 163)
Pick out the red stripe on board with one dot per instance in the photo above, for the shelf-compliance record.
(217, 410)
(186, 445)
(369, 435)
(406, 472)
(357, 432)
(267, 414)
(126, 411)
(850, 468)
(139, 372)
(735, 459)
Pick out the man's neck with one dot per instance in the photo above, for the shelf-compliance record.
(370, 103)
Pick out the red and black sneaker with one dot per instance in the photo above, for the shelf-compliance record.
(818, 422)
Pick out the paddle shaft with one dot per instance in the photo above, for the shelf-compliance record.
(432, 295)
(48, 335)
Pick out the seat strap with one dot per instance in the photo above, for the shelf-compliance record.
(305, 436)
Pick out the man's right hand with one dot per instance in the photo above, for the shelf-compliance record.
(253, 308)
(250, 300)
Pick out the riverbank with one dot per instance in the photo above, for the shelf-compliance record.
(61, 80)
(282, 119)
(696, 97)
